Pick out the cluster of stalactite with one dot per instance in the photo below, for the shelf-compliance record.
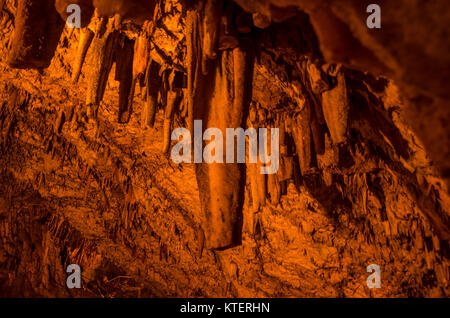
(161, 84)
(219, 63)
(322, 105)
(215, 86)
(133, 66)
(344, 39)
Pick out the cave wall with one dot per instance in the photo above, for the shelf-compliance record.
(408, 48)
(103, 195)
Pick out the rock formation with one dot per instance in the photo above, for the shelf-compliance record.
(86, 117)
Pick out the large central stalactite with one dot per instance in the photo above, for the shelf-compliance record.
(218, 95)
(354, 186)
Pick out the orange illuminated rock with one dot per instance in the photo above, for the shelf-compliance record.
(124, 74)
(103, 50)
(153, 82)
(221, 185)
(86, 37)
(36, 35)
(335, 107)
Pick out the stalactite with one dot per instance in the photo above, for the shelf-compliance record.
(228, 38)
(221, 185)
(318, 134)
(86, 37)
(173, 100)
(302, 137)
(210, 31)
(252, 174)
(285, 171)
(273, 188)
(317, 78)
(124, 74)
(153, 82)
(141, 56)
(164, 87)
(193, 61)
(335, 106)
(273, 182)
(256, 179)
(103, 49)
